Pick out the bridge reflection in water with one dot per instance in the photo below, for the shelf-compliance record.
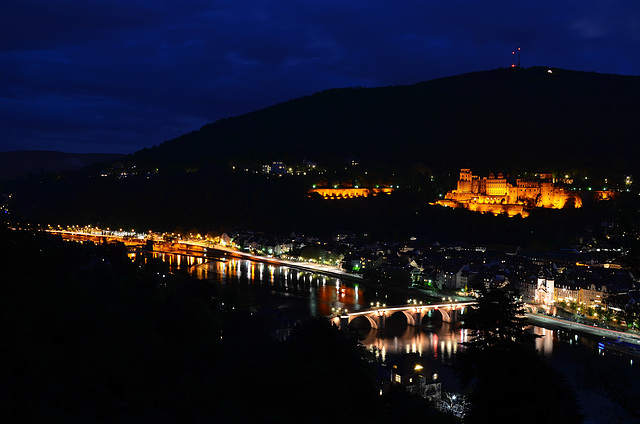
(439, 341)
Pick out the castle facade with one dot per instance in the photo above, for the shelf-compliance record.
(496, 195)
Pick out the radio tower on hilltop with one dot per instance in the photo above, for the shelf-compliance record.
(513, 59)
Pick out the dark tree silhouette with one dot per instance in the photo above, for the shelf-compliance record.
(507, 379)
(90, 336)
(497, 323)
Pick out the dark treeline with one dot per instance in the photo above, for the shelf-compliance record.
(215, 202)
(90, 336)
(18, 164)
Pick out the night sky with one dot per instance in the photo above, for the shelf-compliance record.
(119, 75)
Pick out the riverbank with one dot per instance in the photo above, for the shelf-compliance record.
(336, 272)
(553, 323)
(304, 266)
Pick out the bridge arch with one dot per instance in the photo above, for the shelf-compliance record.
(409, 315)
(432, 314)
(367, 318)
(446, 317)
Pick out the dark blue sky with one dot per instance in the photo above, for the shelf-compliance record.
(119, 75)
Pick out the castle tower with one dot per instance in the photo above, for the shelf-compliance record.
(464, 183)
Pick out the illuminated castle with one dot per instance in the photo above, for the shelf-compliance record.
(496, 195)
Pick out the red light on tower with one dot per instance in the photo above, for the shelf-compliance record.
(513, 59)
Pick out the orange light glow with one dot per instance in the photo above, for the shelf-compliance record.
(350, 193)
(497, 196)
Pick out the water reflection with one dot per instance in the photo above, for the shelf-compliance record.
(303, 293)
(544, 343)
(305, 290)
(438, 341)
(174, 260)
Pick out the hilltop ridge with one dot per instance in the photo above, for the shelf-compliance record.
(533, 118)
(517, 122)
(20, 163)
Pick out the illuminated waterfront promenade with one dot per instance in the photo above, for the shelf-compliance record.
(552, 322)
(198, 248)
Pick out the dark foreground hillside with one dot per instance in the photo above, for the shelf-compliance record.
(89, 336)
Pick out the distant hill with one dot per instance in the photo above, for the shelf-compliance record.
(502, 120)
(21, 163)
(414, 137)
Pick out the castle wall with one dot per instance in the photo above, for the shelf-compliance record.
(526, 190)
(497, 209)
(496, 186)
(479, 186)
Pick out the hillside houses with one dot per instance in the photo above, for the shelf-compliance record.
(542, 277)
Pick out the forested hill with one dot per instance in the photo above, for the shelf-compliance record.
(414, 137)
(21, 163)
(507, 119)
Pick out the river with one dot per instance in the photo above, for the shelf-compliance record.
(299, 294)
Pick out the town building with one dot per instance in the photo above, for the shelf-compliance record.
(545, 288)
(412, 373)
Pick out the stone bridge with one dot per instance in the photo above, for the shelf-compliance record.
(377, 316)
(350, 193)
